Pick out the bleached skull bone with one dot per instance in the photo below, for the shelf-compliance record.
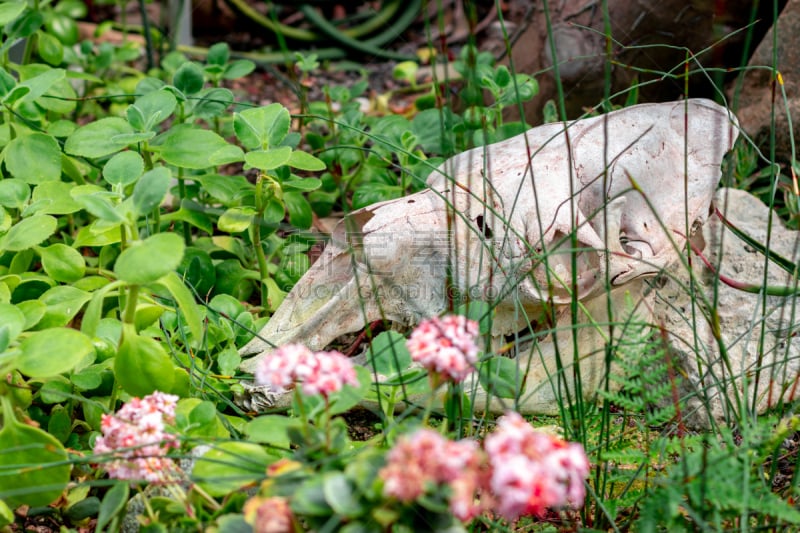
(612, 196)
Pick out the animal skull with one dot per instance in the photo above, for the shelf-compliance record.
(578, 210)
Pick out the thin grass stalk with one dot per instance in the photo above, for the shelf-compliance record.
(601, 476)
(776, 80)
(566, 411)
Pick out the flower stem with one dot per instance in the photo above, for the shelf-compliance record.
(301, 410)
(433, 379)
(187, 231)
(130, 305)
(178, 494)
(327, 425)
(256, 238)
(214, 504)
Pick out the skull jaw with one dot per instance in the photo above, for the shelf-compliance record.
(547, 366)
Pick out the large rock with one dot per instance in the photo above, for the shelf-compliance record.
(755, 358)
(761, 96)
(649, 43)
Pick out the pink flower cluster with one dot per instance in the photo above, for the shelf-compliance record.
(317, 372)
(533, 471)
(520, 471)
(136, 437)
(269, 515)
(445, 346)
(425, 459)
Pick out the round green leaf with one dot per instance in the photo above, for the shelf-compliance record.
(239, 69)
(305, 161)
(123, 169)
(10, 10)
(33, 310)
(142, 365)
(203, 414)
(132, 138)
(89, 378)
(63, 27)
(136, 117)
(13, 319)
(274, 211)
(25, 25)
(98, 233)
(97, 139)
(63, 263)
(51, 352)
(388, 353)
(213, 102)
(262, 127)
(151, 189)
(5, 220)
(197, 270)
(151, 109)
(501, 377)
(16, 94)
(63, 303)
(228, 466)
(14, 193)
(147, 261)
(75, 9)
(302, 184)
(34, 158)
(269, 429)
(50, 48)
(127, 139)
(218, 54)
(28, 232)
(236, 219)
(113, 503)
(98, 202)
(300, 214)
(502, 76)
(190, 213)
(182, 387)
(146, 315)
(268, 159)
(188, 147)
(83, 510)
(188, 78)
(309, 498)
(53, 198)
(61, 128)
(340, 494)
(52, 83)
(233, 280)
(33, 464)
(226, 155)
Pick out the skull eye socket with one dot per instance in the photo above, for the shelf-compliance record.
(487, 231)
(630, 247)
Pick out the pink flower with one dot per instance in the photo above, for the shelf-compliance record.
(136, 438)
(269, 515)
(533, 471)
(426, 460)
(445, 346)
(317, 373)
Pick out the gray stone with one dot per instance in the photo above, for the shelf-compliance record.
(761, 99)
(757, 333)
